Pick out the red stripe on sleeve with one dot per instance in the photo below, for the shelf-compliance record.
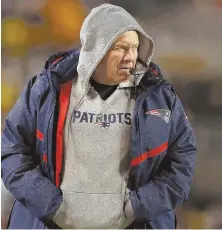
(44, 157)
(63, 108)
(151, 153)
(39, 135)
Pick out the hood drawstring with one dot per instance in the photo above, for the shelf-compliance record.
(79, 103)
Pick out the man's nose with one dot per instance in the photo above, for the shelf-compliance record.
(129, 56)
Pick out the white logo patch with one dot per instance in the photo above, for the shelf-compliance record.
(163, 113)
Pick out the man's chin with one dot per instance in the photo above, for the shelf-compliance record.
(124, 78)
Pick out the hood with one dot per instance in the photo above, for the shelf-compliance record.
(99, 31)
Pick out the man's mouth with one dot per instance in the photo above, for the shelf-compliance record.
(127, 69)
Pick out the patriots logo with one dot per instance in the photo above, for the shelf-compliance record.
(105, 125)
(163, 113)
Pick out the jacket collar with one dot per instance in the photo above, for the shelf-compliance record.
(64, 67)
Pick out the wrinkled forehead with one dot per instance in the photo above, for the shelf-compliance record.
(129, 37)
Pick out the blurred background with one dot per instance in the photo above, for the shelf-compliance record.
(188, 37)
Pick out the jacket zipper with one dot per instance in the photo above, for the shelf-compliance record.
(135, 116)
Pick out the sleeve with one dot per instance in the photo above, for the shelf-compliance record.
(171, 184)
(7, 202)
(20, 169)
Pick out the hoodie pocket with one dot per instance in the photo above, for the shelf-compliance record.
(90, 210)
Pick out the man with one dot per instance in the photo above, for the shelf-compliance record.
(99, 139)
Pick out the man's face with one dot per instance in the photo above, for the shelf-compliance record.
(121, 57)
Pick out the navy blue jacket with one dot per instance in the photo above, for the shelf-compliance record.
(162, 148)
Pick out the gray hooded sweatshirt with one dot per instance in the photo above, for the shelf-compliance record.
(97, 132)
